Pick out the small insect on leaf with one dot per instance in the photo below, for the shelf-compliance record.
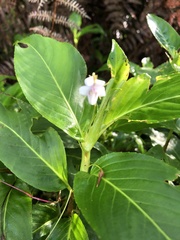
(23, 45)
(100, 175)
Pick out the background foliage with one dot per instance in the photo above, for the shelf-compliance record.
(126, 147)
(121, 20)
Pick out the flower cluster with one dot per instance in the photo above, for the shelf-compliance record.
(93, 89)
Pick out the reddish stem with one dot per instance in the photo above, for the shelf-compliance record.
(28, 194)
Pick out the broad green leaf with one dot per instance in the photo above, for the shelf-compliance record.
(169, 157)
(137, 70)
(136, 102)
(15, 212)
(50, 74)
(69, 229)
(131, 200)
(127, 98)
(164, 33)
(118, 63)
(38, 160)
(156, 151)
(4, 190)
(43, 219)
(129, 126)
(163, 70)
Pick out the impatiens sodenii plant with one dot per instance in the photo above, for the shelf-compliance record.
(52, 146)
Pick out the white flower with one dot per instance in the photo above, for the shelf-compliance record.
(93, 89)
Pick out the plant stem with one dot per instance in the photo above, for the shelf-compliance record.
(85, 162)
(69, 196)
(168, 140)
(26, 193)
(95, 131)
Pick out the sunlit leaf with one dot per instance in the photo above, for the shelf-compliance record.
(131, 200)
(70, 228)
(43, 219)
(136, 102)
(38, 160)
(164, 33)
(50, 74)
(118, 63)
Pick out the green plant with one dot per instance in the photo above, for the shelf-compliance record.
(54, 145)
(78, 33)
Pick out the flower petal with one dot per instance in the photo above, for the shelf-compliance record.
(84, 90)
(100, 91)
(89, 81)
(93, 89)
(100, 82)
(92, 98)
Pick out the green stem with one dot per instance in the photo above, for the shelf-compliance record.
(98, 127)
(69, 196)
(96, 130)
(168, 140)
(90, 139)
(85, 162)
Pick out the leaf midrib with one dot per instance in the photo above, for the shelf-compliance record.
(137, 206)
(54, 79)
(142, 106)
(29, 147)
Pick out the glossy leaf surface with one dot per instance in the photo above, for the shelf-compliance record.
(15, 212)
(118, 63)
(38, 160)
(131, 200)
(164, 33)
(43, 218)
(70, 228)
(136, 102)
(50, 74)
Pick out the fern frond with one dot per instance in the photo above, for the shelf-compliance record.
(7, 67)
(47, 33)
(58, 37)
(42, 2)
(41, 15)
(73, 6)
(66, 22)
(33, 1)
(48, 16)
(41, 30)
